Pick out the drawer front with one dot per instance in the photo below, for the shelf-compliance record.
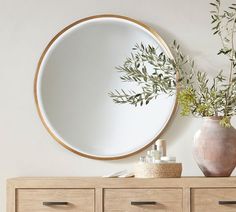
(207, 200)
(138, 200)
(49, 200)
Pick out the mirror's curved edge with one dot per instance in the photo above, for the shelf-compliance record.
(155, 35)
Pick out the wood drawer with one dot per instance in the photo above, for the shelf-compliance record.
(207, 200)
(138, 200)
(31, 200)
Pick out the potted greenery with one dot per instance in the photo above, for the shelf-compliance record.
(198, 95)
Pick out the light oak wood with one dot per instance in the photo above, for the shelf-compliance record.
(120, 200)
(186, 199)
(207, 200)
(198, 194)
(11, 197)
(93, 182)
(31, 200)
(99, 199)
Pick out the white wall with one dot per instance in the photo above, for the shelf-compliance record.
(26, 26)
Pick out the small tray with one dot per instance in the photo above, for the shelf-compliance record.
(158, 170)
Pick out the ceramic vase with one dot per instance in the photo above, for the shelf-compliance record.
(215, 148)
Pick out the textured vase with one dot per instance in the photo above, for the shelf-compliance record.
(215, 148)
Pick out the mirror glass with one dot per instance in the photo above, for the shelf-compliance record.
(75, 73)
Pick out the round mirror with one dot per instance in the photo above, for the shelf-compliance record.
(74, 76)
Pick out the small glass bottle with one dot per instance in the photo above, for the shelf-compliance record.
(161, 147)
(149, 157)
(155, 153)
(142, 159)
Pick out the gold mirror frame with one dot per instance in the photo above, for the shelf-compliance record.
(157, 38)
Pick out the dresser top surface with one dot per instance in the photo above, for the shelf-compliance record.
(96, 182)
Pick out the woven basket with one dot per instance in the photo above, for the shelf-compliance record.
(158, 170)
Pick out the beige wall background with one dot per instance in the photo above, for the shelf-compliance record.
(26, 26)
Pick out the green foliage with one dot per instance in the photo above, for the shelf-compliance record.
(225, 121)
(187, 99)
(134, 69)
(155, 74)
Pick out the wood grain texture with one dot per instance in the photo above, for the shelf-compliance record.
(93, 182)
(207, 199)
(169, 200)
(99, 200)
(186, 199)
(31, 200)
(11, 197)
(197, 193)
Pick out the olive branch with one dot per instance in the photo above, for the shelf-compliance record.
(155, 73)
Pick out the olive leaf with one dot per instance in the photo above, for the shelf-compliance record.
(155, 73)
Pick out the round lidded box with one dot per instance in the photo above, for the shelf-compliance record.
(158, 170)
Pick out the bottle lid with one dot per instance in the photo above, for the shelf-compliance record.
(154, 147)
(160, 142)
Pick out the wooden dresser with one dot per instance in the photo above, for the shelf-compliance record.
(95, 194)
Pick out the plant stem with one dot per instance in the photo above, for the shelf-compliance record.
(231, 70)
(232, 53)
